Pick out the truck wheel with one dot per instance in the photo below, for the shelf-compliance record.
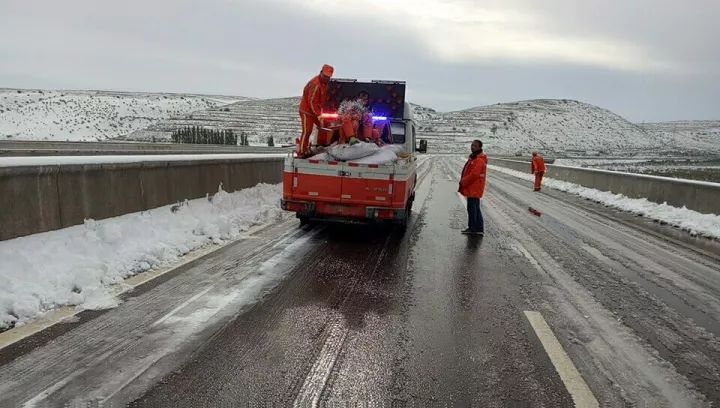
(303, 220)
(408, 212)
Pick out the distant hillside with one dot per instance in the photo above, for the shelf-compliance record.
(556, 127)
(703, 135)
(258, 119)
(553, 126)
(91, 115)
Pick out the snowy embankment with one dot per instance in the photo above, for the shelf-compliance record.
(76, 266)
(707, 225)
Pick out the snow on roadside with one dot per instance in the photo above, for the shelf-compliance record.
(695, 223)
(77, 265)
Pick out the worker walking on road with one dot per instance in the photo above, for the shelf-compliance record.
(472, 186)
(537, 167)
(313, 98)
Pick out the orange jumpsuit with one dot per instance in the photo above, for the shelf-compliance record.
(537, 167)
(473, 176)
(314, 96)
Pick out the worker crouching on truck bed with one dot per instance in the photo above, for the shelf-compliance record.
(313, 98)
(357, 121)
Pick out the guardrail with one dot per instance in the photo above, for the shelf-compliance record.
(55, 148)
(700, 196)
(44, 194)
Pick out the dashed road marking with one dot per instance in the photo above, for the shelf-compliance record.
(312, 388)
(570, 376)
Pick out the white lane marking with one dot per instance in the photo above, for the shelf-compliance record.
(312, 388)
(33, 402)
(182, 305)
(520, 248)
(576, 386)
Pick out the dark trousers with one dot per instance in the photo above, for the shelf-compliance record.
(475, 218)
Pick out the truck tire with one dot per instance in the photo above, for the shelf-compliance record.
(408, 213)
(303, 220)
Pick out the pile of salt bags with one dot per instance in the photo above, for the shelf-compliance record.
(346, 152)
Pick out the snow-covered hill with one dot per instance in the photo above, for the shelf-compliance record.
(703, 135)
(552, 126)
(556, 127)
(91, 115)
(258, 119)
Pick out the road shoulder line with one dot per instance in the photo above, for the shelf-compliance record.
(570, 376)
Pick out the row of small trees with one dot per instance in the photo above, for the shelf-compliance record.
(201, 135)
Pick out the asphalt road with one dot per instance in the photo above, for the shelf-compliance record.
(577, 305)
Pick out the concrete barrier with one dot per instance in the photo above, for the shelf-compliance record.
(703, 197)
(52, 196)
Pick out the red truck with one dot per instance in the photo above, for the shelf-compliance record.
(332, 190)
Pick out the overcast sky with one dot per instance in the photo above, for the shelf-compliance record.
(647, 60)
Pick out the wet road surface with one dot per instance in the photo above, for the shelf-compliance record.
(327, 314)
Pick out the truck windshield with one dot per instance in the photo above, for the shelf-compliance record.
(398, 132)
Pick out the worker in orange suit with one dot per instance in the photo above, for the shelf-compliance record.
(472, 186)
(313, 98)
(537, 167)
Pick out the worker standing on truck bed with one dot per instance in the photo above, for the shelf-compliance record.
(313, 98)
(472, 186)
(537, 167)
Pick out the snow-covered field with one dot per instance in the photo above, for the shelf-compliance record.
(695, 223)
(703, 167)
(91, 115)
(78, 265)
(703, 135)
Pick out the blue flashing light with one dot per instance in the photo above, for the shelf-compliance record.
(379, 117)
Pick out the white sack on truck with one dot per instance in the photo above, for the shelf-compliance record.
(383, 156)
(347, 152)
(321, 156)
(396, 148)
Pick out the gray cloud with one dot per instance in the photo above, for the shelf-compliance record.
(646, 60)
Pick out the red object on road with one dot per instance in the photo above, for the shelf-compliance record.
(535, 212)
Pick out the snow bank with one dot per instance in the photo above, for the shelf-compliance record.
(695, 223)
(77, 265)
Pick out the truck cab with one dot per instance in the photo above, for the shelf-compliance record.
(350, 192)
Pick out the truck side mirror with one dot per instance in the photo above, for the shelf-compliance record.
(423, 146)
